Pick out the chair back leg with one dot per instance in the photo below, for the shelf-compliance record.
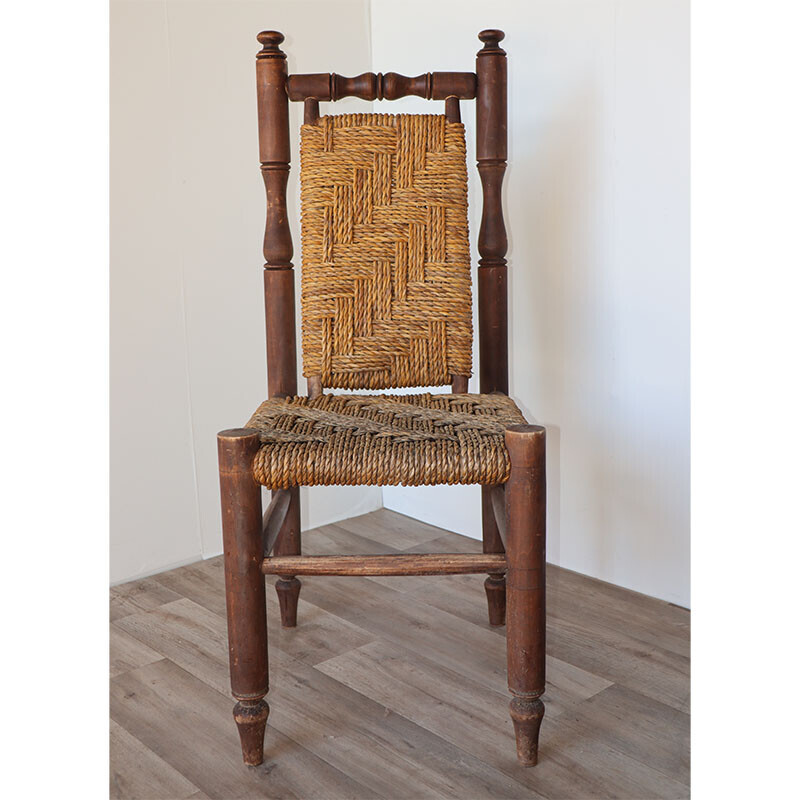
(495, 585)
(288, 544)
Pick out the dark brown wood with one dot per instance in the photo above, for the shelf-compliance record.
(244, 587)
(492, 151)
(251, 720)
(394, 564)
(275, 154)
(495, 585)
(460, 384)
(278, 249)
(456, 84)
(274, 517)
(281, 342)
(314, 385)
(379, 86)
(288, 544)
(288, 591)
(498, 497)
(311, 111)
(495, 588)
(525, 585)
(452, 109)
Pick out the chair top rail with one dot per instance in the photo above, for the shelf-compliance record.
(380, 86)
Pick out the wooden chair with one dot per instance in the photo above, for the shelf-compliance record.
(386, 301)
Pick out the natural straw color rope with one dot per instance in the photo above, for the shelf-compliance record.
(383, 440)
(386, 294)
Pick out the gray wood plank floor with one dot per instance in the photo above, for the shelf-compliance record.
(395, 687)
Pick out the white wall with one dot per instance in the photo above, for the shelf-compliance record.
(597, 209)
(596, 201)
(187, 205)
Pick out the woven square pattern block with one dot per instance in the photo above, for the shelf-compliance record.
(383, 440)
(386, 294)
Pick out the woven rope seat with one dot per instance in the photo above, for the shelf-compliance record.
(383, 440)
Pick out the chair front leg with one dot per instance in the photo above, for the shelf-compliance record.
(495, 585)
(244, 587)
(525, 585)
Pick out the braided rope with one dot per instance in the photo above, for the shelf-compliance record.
(386, 292)
(383, 440)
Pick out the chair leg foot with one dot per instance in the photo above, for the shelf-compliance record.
(288, 590)
(527, 714)
(495, 586)
(251, 720)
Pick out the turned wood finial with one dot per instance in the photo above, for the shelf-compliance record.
(491, 39)
(270, 42)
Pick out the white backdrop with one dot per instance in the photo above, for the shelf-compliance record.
(187, 205)
(597, 210)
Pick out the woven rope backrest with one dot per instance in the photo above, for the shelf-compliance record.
(386, 294)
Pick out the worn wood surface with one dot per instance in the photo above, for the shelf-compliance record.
(396, 686)
(274, 518)
(379, 86)
(395, 564)
(491, 146)
(275, 154)
(240, 498)
(525, 501)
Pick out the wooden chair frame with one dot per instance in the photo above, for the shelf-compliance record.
(513, 514)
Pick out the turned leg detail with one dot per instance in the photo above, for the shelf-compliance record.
(288, 590)
(525, 585)
(495, 585)
(244, 587)
(251, 720)
(527, 715)
(288, 544)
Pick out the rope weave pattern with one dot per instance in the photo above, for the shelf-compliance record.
(383, 440)
(386, 292)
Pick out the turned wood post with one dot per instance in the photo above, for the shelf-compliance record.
(495, 584)
(492, 152)
(244, 587)
(525, 585)
(275, 155)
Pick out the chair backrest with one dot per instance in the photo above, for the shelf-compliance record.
(386, 294)
(385, 291)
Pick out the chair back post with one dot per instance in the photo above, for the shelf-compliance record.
(275, 155)
(492, 152)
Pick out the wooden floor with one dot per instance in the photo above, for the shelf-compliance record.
(395, 687)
